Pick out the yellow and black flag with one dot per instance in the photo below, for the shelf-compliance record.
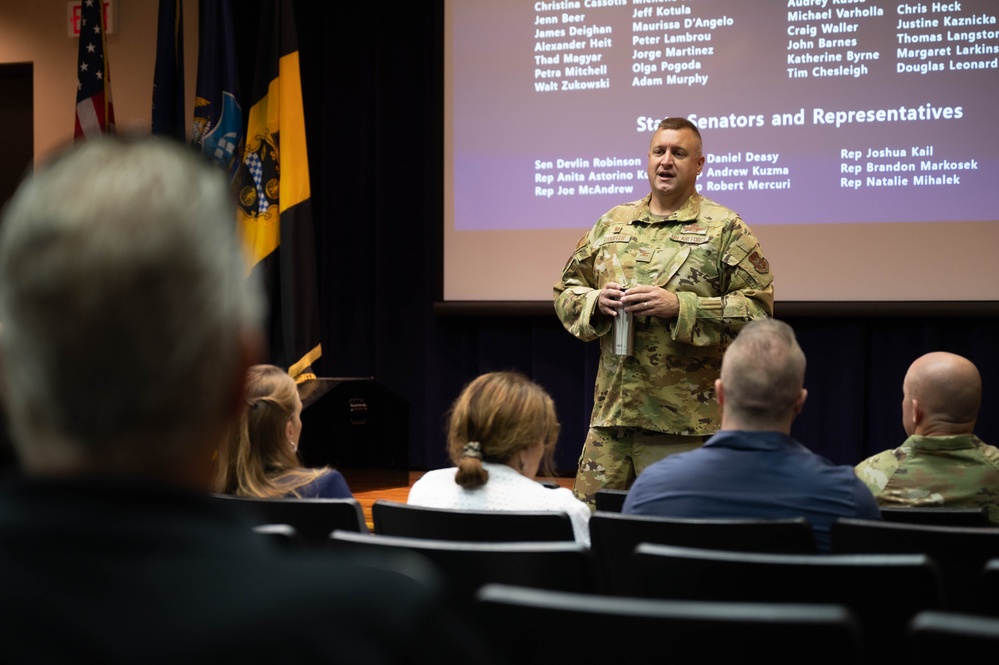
(275, 211)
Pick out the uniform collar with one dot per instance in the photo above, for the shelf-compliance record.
(953, 442)
(688, 212)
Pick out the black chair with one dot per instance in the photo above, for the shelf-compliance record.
(614, 536)
(610, 501)
(884, 591)
(541, 626)
(392, 518)
(937, 516)
(960, 552)
(467, 566)
(987, 590)
(940, 637)
(312, 519)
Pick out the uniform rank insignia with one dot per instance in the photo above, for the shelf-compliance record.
(759, 262)
(644, 254)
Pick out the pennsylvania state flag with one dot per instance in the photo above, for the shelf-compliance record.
(274, 210)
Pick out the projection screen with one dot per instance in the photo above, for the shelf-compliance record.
(857, 138)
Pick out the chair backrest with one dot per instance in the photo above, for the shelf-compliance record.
(960, 552)
(938, 637)
(614, 536)
(312, 519)
(467, 566)
(392, 518)
(610, 501)
(544, 627)
(988, 590)
(937, 516)
(885, 591)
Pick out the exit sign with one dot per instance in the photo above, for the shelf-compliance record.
(73, 10)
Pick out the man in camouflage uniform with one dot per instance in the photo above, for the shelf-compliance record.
(942, 463)
(693, 274)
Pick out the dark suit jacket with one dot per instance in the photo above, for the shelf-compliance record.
(110, 573)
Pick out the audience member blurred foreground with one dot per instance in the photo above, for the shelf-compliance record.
(128, 326)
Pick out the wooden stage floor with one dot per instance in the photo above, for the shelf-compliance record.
(369, 485)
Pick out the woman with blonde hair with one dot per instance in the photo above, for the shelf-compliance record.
(262, 458)
(503, 428)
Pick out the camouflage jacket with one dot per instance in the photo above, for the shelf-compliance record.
(708, 257)
(945, 471)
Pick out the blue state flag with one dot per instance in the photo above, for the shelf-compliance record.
(218, 118)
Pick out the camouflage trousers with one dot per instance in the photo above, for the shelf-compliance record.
(613, 457)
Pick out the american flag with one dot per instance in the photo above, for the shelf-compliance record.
(94, 111)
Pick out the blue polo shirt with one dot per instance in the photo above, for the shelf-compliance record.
(742, 474)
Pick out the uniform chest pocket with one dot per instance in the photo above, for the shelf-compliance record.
(613, 248)
(672, 265)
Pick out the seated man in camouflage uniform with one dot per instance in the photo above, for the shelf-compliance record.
(942, 463)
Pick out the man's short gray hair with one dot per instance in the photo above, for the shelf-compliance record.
(763, 371)
(124, 300)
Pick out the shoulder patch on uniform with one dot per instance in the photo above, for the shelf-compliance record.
(759, 262)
